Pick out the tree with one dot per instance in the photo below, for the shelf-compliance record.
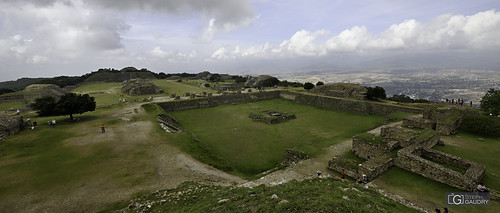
(72, 103)
(320, 83)
(270, 82)
(308, 85)
(401, 98)
(490, 103)
(45, 106)
(215, 77)
(375, 93)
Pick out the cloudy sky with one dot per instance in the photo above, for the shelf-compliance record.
(43, 38)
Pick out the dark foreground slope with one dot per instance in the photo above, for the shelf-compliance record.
(314, 195)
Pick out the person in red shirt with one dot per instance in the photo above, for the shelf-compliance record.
(103, 129)
(342, 174)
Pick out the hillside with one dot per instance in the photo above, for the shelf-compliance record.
(20, 84)
(313, 195)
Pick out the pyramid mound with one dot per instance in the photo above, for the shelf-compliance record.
(341, 90)
(140, 87)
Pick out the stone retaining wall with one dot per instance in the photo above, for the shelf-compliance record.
(338, 163)
(366, 150)
(414, 122)
(294, 157)
(410, 159)
(217, 101)
(10, 126)
(346, 105)
(376, 166)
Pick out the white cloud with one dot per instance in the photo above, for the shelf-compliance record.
(446, 32)
(171, 56)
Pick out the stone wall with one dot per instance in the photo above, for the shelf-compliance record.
(332, 103)
(374, 167)
(169, 123)
(367, 150)
(347, 105)
(294, 157)
(9, 97)
(338, 163)
(410, 159)
(415, 122)
(214, 101)
(448, 127)
(10, 126)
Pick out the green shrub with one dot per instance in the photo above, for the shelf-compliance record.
(481, 124)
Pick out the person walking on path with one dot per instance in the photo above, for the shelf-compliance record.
(103, 129)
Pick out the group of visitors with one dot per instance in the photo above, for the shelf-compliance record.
(459, 101)
(51, 123)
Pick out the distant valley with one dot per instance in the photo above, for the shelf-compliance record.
(433, 85)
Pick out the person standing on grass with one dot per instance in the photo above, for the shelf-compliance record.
(103, 130)
(342, 174)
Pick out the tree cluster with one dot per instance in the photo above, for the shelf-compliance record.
(68, 104)
(270, 82)
(285, 83)
(375, 93)
(402, 98)
(490, 103)
(308, 85)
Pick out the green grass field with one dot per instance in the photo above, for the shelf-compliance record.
(249, 147)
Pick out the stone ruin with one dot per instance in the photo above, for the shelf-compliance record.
(271, 117)
(341, 90)
(10, 126)
(444, 121)
(409, 149)
(140, 87)
(169, 124)
(293, 157)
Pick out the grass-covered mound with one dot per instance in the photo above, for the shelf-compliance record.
(247, 147)
(315, 195)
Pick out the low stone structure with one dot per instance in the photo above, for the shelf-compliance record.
(332, 103)
(10, 126)
(140, 87)
(444, 121)
(410, 150)
(169, 124)
(271, 117)
(294, 157)
(341, 90)
(412, 159)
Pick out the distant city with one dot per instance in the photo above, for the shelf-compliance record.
(433, 85)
